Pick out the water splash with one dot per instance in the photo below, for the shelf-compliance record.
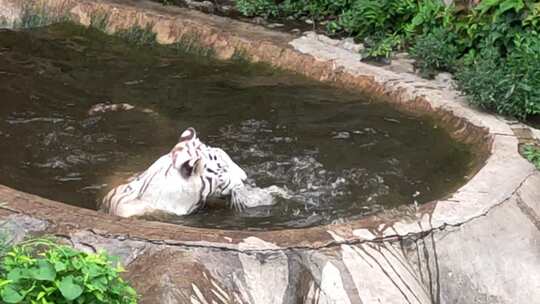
(296, 178)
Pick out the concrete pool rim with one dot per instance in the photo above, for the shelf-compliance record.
(496, 140)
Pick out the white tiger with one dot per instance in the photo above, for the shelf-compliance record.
(179, 182)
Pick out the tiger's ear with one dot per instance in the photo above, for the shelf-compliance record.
(188, 134)
(190, 168)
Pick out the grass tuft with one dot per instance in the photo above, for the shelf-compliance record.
(137, 35)
(99, 20)
(532, 154)
(191, 44)
(38, 16)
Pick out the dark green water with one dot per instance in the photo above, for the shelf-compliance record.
(337, 153)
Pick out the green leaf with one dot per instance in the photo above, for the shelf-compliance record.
(10, 295)
(15, 274)
(44, 272)
(93, 271)
(77, 263)
(486, 5)
(4, 282)
(40, 295)
(60, 266)
(69, 289)
(508, 5)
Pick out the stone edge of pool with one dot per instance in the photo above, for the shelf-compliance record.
(504, 174)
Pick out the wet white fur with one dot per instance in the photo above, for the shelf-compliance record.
(165, 187)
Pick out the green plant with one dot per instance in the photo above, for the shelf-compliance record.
(532, 18)
(381, 47)
(494, 9)
(171, 2)
(492, 47)
(532, 153)
(265, 8)
(41, 271)
(141, 36)
(4, 22)
(435, 51)
(314, 9)
(191, 44)
(507, 85)
(369, 17)
(429, 15)
(99, 20)
(4, 241)
(33, 16)
(379, 24)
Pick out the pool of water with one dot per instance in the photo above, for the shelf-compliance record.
(338, 154)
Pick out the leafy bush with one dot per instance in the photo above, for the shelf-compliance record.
(41, 271)
(314, 9)
(99, 20)
(171, 2)
(34, 15)
(532, 153)
(139, 35)
(4, 240)
(265, 8)
(381, 47)
(430, 14)
(493, 48)
(435, 51)
(380, 24)
(506, 85)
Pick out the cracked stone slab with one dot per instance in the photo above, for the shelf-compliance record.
(450, 250)
(493, 259)
(16, 227)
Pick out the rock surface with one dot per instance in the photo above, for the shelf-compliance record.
(480, 245)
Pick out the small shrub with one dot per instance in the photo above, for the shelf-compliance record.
(507, 85)
(381, 47)
(430, 14)
(435, 51)
(141, 36)
(532, 153)
(493, 47)
(482, 80)
(33, 16)
(171, 2)
(4, 240)
(191, 44)
(41, 271)
(314, 9)
(366, 18)
(99, 20)
(265, 8)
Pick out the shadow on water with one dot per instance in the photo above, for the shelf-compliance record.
(338, 154)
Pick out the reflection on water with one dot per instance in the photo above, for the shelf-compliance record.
(333, 154)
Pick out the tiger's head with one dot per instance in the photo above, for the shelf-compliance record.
(179, 182)
(219, 174)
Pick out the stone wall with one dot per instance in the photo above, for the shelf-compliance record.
(479, 245)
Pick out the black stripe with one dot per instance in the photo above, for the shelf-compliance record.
(201, 195)
(228, 183)
(169, 168)
(118, 202)
(209, 179)
(113, 193)
(146, 184)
